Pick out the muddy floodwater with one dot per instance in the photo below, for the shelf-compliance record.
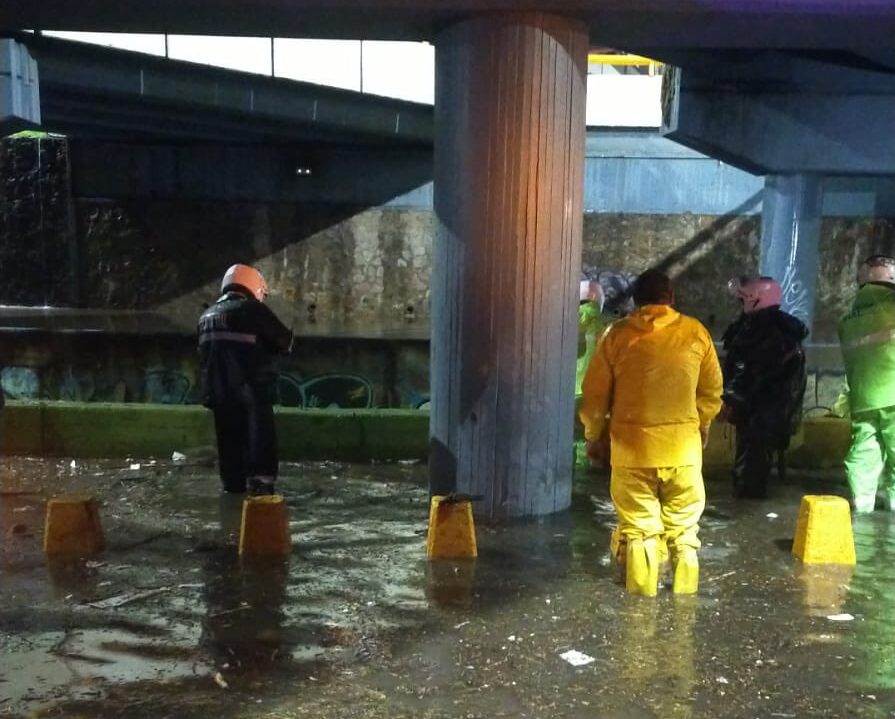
(167, 622)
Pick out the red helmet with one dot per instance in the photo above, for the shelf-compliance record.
(756, 293)
(248, 278)
(878, 268)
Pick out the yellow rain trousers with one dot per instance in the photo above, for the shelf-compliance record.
(656, 376)
(659, 502)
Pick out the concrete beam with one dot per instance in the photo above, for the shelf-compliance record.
(356, 176)
(19, 88)
(707, 24)
(786, 127)
(104, 92)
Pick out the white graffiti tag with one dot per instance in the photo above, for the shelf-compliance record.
(795, 295)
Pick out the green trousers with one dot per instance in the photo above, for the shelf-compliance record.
(871, 457)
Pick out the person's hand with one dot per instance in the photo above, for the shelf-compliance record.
(726, 414)
(704, 433)
(596, 451)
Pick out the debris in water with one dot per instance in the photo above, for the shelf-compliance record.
(178, 457)
(772, 515)
(576, 658)
(135, 466)
(841, 618)
(220, 681)
(462, 624)
(722, 680)
(73, 465)
(122, 599)
(721, 576)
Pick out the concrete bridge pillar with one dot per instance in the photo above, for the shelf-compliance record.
(790, 233)
(509, 159)
(19, 88)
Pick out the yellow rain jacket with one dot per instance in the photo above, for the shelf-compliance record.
(656, 375)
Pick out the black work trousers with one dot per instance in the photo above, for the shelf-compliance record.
(756, 447)
(247, 443)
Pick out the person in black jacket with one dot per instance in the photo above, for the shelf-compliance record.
(764, 382)
(238, 339)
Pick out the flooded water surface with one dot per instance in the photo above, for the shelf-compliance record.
(168, 622)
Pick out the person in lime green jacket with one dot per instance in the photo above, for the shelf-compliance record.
(867, 336)
(591, 326)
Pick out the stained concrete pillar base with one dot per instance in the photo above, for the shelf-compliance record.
(509, 160)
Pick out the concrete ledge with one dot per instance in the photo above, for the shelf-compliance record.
(822, 444)
(71, 429)
(83, 430)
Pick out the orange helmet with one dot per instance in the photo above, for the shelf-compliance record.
(248, 278)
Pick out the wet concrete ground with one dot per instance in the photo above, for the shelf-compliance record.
(168, 623)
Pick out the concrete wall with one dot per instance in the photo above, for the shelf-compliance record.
(161, 367)
(332, 266)
(348, 269)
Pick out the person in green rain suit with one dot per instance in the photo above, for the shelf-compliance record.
(591, 326)
(867, 336)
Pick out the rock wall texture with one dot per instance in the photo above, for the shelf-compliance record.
(37, 254)
(338, 267)
(328, 266)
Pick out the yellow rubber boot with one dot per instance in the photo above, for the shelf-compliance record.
(643, 567)
(686, 571)
(618, 556)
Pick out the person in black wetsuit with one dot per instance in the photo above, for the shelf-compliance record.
(764, 382)
(239, 336)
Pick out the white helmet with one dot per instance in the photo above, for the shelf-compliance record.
(590, 291)
(248, 278)
(878, 268)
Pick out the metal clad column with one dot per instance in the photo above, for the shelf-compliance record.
(509, 160)
(790, 233)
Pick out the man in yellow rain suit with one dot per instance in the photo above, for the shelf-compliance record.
(656, 376)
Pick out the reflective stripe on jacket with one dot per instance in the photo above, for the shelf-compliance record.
(867, 336)
(238, 340)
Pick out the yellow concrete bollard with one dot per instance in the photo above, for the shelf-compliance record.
(823, 532)
(451, 530)
(265, 527)
(72, 526)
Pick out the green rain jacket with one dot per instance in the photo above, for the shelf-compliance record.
(867, 336)
(591, 326)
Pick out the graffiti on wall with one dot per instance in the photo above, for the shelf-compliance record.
(165, 385)
(159, 385)
(326, 391)
(795, 294)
